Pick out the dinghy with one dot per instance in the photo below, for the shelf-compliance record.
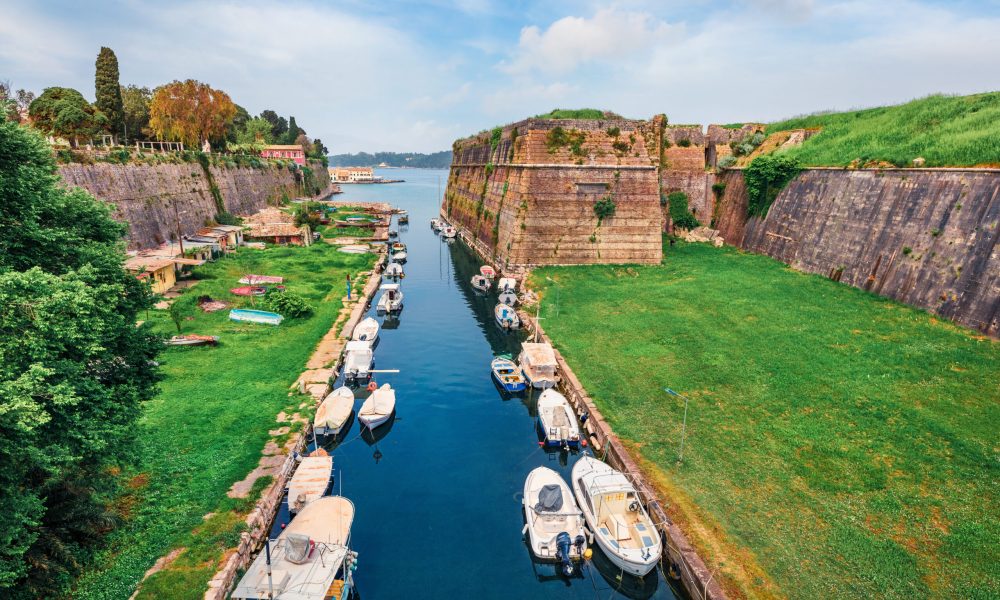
(481, 283)
(506, 317)
(404, 217)
(508, 298)
(538, 362)
(259, 279)
(399, 247)
(487, 272)
(311, 559)
(436, 224)
(557, 421)
(255, 316)
(507, 284)
(334, 411)
(615, 514)
(507, 374)
(399, 257)
(310, 481)
(391, 299)
(366, 331)
(358, 361)
(249, 290)
(554, 522)
(192, 340)
(394, 270)
(449, 232)
(378, 407)
(393, 233)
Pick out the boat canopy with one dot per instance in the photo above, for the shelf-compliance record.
(539, 355)
(549, 499)
(390, 286)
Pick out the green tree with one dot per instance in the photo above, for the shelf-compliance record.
(279, 126)
(135, 101)
(239, 123)
(74, 368)
(64, 112)
(293, 131)
(108, 91)
(256, 131)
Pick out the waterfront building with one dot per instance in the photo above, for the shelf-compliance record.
(285, 152)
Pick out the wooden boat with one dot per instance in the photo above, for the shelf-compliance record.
(615, 515)
(507, 374)
(488, 272)
(310, 560)
(481, 283)
(310, 482)
(449, 232)
(255, 316)
(358, 361)
(192, 340)
(404, 217)
(249, 290)
(394, 270)
(506, 317)
(378, 407)
(259, 279)
(554, 522)
(507, 284)
(399, 257)
(508, 298)
(334, 411)
(366, 331)
(557, 421)
(398, 247)
(538, 363)
(436, 224)
(393, 233)
(391, 299)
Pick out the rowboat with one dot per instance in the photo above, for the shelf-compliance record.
(366, 331)
(391, 299)
(507, 374)
(399, 247)
(557, 421)
(538, 362)
(481, 283)
(310, 482)
(255, 316)
(614, 513)
(449, 232)
(378, 407)
(507, 284)
(404, 217)
(249, 290)
(358, 361)
(394, 270)
(334, 411)
(506, 317)
(554, 522)
(393, 233)
(487, 272)
(259, 279)
(192, 340)
(436, 224)
(399, 257)
(507, 298)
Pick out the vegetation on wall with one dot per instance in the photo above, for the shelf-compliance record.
(765, 177)
(605, 208)
(579, 113)
(680, 214)
(557, 138)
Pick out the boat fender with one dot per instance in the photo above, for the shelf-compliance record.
(372, 386)
(633, 506)
(583, 443)
(587, 554)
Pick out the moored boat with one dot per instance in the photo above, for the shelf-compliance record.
(557, 421)
(399, 257)
(394, 270)
(488, 272)
(358, 361)
(366, 331)
(507, 374)
(508, 298)
(449, 232)
(538, 362)
(480, 283)
(404, 217)
(259, 279)
(554, 522)
(391, 299)
(614, 513)
(506, 316)
(334, 412)
(399, 247)
(255, 316)
(436, 224)
(310, 482)
(507, 284)
(378, 407)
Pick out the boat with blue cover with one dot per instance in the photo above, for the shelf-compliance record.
(255, 316)
(507, 374)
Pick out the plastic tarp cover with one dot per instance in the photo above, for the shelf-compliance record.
(549, 499)
(297, 548)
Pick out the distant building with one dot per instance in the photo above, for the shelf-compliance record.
(285, 152)
(356, 174)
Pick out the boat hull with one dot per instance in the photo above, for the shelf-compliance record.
(509, 387)
(373, 422)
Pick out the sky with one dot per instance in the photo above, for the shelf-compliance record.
(402, 75)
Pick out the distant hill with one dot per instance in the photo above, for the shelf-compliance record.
(437, 160)
(946, 131)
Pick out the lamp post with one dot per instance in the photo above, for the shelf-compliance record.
(680, 457)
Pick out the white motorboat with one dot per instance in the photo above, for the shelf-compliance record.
(481, 283)
(394, 270)
(449, 232)
(506, 316)
(554, 522)
(366, 331)
(310, 482)
(488, 272)
(391, 299)
(310, 560)
(615, 514)
(334, 411)
(378, 407)
(358, 361)
(507, 284)
(538, 362)
(436, 224)
(508, 298)
(399, 257)
(557, 421)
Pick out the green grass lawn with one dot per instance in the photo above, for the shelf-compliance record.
(839, 445)
(944, 130)
(207, 426)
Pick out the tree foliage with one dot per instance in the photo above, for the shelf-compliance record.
(256, 131)
(765, 177)
(12, 103)
(680, 214)
(73, 366)
(293, 131)
(279, 126)
(191, 112)
(64, 112)
(135, 104)
(108, 91)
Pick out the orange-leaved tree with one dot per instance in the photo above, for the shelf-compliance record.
(191, 112)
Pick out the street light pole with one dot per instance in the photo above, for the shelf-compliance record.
(680, 457)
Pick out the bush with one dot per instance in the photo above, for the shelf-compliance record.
(604, 208)
(225, 218)
(719, 188)
(680, 215)
(765, 177)
(684, 143)
(726, 161)
(287, 304)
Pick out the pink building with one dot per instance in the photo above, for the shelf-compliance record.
(285, 152)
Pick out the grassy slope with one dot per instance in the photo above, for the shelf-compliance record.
(946, 131)
(847, 441)
(208, 425)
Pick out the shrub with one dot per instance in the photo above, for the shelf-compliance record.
(719, 188)
(495, 136)
(289, 305)
(726, 161)
(680, 215)
(765, 177)
(684, 143)
(614, 131)
(558, 137)
(225, 218)
(604, 208)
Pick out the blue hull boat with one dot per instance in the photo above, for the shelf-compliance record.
(255, 316)
(507, 374)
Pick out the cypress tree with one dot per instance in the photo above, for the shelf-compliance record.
(108, 92)
(293, 131)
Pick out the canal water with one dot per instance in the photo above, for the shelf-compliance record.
(438, 495)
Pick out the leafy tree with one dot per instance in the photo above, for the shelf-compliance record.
(239, 123)
(279, 126)
(318, 150)
(256, 131)
(293, 131)
(765, 177)
(64, 112)
(135, 101)
(74, 368)
(306, 143)
(190, 112)
(109, 91)
(12, 103)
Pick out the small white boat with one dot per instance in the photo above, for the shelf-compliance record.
(393, 233)
(481, 283)
(192, 340)
(310, 481)
(310, 559)
(488, 272)
(394, 270)
(615, 514)
(554, 522)
(399, 257)
(404, 217)
(508, 298)
(449, 232)
(436, 224)
(507, 284)
(538, 362)
(557, 421)
(358, 361)
(391, 299)
(506, 316)
(366, 331)
(507, 374)
(334, 411)
(255, 316)
(378, 407)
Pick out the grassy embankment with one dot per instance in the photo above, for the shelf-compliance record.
(207, 426)
(839, 445)
(331, 231)
(944, 130)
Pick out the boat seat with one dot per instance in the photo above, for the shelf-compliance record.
(622, 532)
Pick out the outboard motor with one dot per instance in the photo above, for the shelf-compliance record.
(579, 542)
(562, 554)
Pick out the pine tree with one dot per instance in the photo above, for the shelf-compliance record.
(108, 92)
(293, 131)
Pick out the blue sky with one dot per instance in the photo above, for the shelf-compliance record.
(406, 75)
